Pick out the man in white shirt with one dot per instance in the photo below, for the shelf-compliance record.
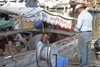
(84, 26)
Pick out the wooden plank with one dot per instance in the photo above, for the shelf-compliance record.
(74, 63)
(59, 31)
(54, 31)
(13, 46)
(34, 29)
(31, 52)
(13, 32)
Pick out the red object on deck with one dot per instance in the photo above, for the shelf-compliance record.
(4, 41)
(17, 37)
(64, 29)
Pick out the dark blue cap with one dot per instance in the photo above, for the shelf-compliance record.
(26, 33)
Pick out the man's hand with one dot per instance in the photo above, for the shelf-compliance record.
(76, 31)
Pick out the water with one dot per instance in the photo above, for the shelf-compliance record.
(96, 22)
(96, 25)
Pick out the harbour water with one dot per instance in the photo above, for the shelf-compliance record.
(96, 21)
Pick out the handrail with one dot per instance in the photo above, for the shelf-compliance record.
(17, 55)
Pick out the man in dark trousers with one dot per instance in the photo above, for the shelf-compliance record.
(84, 26)
(97, 44)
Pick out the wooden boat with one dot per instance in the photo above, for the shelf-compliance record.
(66, 46)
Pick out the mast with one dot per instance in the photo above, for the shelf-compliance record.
(96, 1)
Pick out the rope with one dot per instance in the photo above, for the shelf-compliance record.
(56, 27)
(51, 29)
(50, 33)
(27, 64)
(58, 34)
(11, 50)
(7, 41)
(13, 57)
(43, 27)
(7, 38)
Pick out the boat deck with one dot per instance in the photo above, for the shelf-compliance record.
(73, 62)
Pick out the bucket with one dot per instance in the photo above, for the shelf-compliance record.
(61, 61)
(97, 55)
(17, 43)
(10, 42)
(38, 24)
(66, 61)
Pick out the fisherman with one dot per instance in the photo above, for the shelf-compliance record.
(26, 37)
(97, 44)
(40, 37)
(84, 26)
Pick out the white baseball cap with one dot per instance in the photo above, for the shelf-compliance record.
(78, 6)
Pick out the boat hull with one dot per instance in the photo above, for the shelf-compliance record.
(66, 47)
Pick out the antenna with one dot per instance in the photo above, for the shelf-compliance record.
(43, 55)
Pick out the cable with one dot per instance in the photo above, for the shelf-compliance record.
(13, 57)
(27, 64)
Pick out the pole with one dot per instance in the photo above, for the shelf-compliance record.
(56, 60)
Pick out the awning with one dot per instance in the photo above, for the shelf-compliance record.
(37, 13)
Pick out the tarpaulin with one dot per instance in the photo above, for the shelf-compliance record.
(4, 41)
(4, 24)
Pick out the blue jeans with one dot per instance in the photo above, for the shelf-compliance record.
(84, 44)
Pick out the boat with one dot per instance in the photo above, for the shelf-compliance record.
(54, 4)
(97, 6)
(67, 46)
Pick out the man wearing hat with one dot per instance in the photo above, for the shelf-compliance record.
(26, 37)
(84, 27)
